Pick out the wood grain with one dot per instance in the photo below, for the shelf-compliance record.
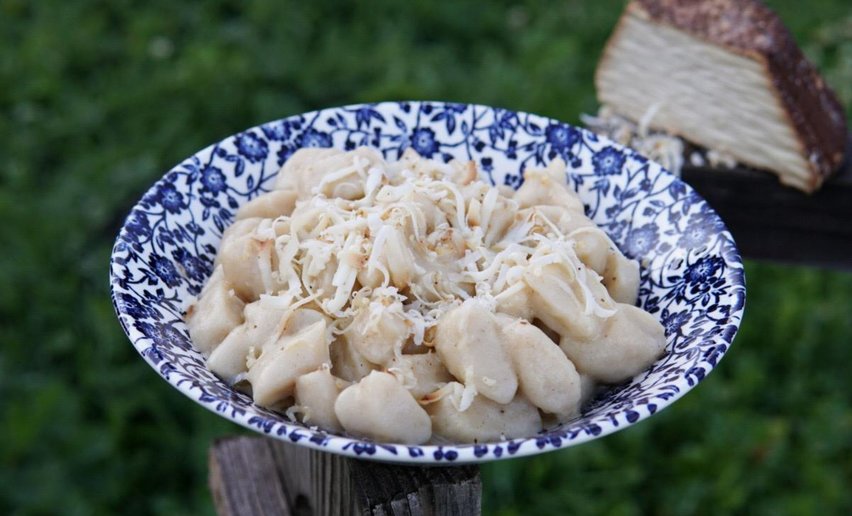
(773, 222)
(259, 476)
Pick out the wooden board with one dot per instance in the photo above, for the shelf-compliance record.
(260, 476)
(773, 222)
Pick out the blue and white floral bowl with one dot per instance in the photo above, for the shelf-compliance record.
(692, 275)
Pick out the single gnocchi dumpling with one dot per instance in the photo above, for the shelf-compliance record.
(308, 222)
(296, 172)
(332, 174)
(570, 307)
(630, 342)
(593, 247)
(421, 374)
(431, 215)
(381, 408)
(548, 187)
(393, 253)
(463, 172)
(302, 348)
(620, 275)
(316, 394)
(216, 313)
(249, 260)
(379, 330)
(515, 301)
(446, 247)
(588, 388)
(467, 339)
(483, 420)
(546, 377)
(263, 325)
(411, 165)
(269, 205)
(347, 362)
(320, 283)
(621, 278)
(490, 212)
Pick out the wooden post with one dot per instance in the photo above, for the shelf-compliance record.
(260, 476)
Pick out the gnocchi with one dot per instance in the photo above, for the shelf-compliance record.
(408, 302)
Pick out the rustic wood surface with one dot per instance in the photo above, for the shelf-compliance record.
(260, 476)
(773, 222)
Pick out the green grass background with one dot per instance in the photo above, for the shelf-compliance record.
(98, 99)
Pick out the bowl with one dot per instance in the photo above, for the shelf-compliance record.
(691, 275)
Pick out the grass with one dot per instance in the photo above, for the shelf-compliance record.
(99, 98)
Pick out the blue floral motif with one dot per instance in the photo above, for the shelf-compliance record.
(423, 141)
(562, 137)
(609, 161)
(642, 240)
(445, 454)
(455, 108)
(699, 274)
(692, 277)
(214, 180)
(279, 131)
(134, 308)
(169, 197)
(313, 138)
(673, 321)
(138, 227)
(194, 267)
(505, 123)
(284, 154)
(169, 335)
(361, 448)
(252, 147)
(262, 423)
(365, 114)
(165, 270)
(513, 180)
(153, 331)
(698, 231)
(447, 113)
(320, 439)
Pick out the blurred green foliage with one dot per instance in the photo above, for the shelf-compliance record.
(98, 98)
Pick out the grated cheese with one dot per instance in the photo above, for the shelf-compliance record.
(384, 253)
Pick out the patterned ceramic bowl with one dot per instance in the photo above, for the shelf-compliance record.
(692, 276)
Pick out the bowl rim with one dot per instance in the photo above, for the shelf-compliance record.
(440, 454)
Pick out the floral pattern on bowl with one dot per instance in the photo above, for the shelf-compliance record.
(692, 275)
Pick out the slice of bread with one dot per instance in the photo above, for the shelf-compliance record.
(727, 75)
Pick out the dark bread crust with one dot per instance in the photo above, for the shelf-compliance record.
(750, 28)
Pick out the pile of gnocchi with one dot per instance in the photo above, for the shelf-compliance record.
(410, 302)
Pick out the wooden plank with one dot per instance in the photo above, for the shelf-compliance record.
(255, 475)
(773, 222)
(245, 479)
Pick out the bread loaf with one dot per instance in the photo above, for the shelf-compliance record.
(726, 75)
